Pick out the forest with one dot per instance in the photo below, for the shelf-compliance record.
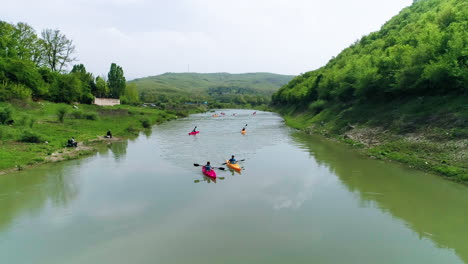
(421, 51)
(36, 67)
(400, 93)
(219, 90)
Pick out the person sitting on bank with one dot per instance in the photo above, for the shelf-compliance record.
(207, 166)
(233, 160)
(72, 143)
(109, 134)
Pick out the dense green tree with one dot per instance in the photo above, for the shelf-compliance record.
(116, 81)
(102, 90)
(87, 79)
(130, 95)
(421, 51)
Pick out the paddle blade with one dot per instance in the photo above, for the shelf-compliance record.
(196, 164)
(221, 168)
(223, 163)
(242, 160)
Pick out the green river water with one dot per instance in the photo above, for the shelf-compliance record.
(300, 199)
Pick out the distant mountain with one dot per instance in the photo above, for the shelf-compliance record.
(209, 85)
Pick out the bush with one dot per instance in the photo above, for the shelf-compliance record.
(78, 114)
(61, 113)
(27, 120)
(5, 115)
(145, 123)
(30, 137)
(132, 129)
(91, 116)
(317, 106)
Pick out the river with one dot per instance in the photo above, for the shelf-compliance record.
(299, 199)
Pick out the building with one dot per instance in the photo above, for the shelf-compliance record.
(106, 101)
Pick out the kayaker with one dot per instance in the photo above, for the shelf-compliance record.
(243, 129)
(194, 129)
(233, 160)
(207, 166)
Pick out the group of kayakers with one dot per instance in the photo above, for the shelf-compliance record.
(208, 166)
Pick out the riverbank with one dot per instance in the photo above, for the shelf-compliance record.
(39, 131)
(431, 136)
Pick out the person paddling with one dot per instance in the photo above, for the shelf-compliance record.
(232, 160)
(207, 166)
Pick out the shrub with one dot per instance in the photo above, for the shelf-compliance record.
(131, 129)
(91, 116)
(145, 123)
(78, 114)
(317, 106)
(30, 137)
(61, 113)
(5, 115)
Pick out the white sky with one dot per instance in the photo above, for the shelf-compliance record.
(151, 37)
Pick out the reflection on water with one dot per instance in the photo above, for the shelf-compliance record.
(434, 208)
(118, 149)
(29, 191)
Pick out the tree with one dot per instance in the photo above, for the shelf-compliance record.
(58, 49)
(86, 78)
(116, 81)
(130, 95)
(7, 41)
(102, 90)
(29, 46)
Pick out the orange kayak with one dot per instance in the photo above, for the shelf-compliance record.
(243, 132)
(233, 166)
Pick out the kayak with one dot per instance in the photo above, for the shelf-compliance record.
(235, 167)
(194, 133)
(243, 132)
(211, 173)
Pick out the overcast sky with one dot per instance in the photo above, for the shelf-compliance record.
(151, 37)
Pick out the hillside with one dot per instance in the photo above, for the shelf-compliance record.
(400, 93)
(252, 88)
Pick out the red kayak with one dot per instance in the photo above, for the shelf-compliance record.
(211, 173)
(194, 133)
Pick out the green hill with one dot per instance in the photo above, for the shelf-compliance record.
(246, 88)
(400, 92)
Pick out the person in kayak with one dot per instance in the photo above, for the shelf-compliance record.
(243, 129)
(194, 129)
(207, 166)
(233, 160)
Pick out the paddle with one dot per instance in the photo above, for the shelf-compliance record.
(219, 168)
(238, 161)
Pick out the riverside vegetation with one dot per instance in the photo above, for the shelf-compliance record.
(42, 105)
(41, 129)
(400, 93)
(40, 101)
(219, 90)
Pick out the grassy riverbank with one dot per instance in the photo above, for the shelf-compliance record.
(429, 133)
(23, 143)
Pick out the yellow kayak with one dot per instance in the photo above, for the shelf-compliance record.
(243, 132)
(233, 166)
